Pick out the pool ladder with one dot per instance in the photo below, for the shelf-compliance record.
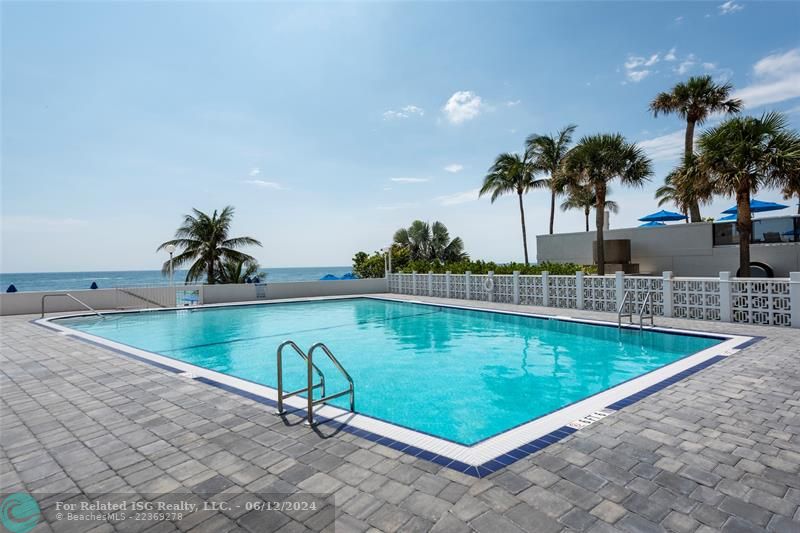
(312, 369)
(645, 311)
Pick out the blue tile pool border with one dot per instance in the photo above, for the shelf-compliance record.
(487, 468)
(492, 465)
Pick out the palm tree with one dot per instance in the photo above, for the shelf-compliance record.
(205, 241)
(430, 243)
(583, 197)
(744, 154)
(685, 186)
(599, 159)
(238, 270)
(547, 153)
(792, 188)
(694, 101)
(511, 173)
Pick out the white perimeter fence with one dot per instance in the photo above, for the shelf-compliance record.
(773, 302)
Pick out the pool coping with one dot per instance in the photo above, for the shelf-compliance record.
(479, 459)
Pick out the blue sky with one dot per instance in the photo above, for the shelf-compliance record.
(328, 126)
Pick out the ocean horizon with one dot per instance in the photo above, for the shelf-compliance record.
(108, 279)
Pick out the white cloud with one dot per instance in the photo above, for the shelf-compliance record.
(265, 184)
(777, 79)
(678, 19)
(686, 65)
(462, 106)
(637, 68)
(454, 167)
(670, 56)
(255, 172)
(729, 7)
(776, 64)
(408, 180)
(459, 197)
(637, 75)
(666, 147)
(513, 103)
(404, 112)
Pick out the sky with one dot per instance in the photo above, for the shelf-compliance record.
(328, 126)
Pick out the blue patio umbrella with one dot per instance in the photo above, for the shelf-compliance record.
(11, 288)
(726, 218)
(663, 216)
(757, 206)
(651, 224)
(349, 275)
(328, 277)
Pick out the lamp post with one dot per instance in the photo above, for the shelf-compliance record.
(171, 249)
(387, 261)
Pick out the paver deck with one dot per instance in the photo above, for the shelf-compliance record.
(718, 451)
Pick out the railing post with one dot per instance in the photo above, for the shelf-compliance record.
(430, 282)
(515, 285)
(447, 276)
(794, 298)
(466, 284)
(491, 292)
(579, 289)
(619, 285)
(725, 303)
(414, 282)
(666, 288)
(545, 288)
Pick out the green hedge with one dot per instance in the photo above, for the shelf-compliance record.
(483, 267)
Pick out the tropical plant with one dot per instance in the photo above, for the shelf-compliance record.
(584, 197)
(598, 159)
(238, 270)
(792, 187)
(694, 101)
(369, 266)
(511, 173)
(430, 242)
(484, 267)
(744, 154)
(547, 153)
(204, 241)
(685, 186)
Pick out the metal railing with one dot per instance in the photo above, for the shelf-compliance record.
(620, 314)
(646, 303)
(68, 295)
(142, 298)
(311, 368)
(282, 395)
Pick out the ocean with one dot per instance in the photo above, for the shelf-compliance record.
(50, 281)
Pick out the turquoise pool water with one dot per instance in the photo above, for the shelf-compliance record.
(458, 374)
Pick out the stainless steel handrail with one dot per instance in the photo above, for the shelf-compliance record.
(350, 389)
(621, 307)
(311, 386)
(647, 300)
(68, 295)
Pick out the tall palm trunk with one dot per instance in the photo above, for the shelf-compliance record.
(524, 234)
(598, 220)
(210, 270)
(744, 225)
(688, 150)
(552, 209)
(586, 211)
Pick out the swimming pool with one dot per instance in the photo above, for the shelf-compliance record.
(460, 375)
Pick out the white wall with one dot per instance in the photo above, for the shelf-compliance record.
(684, 249)
(24, 303)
